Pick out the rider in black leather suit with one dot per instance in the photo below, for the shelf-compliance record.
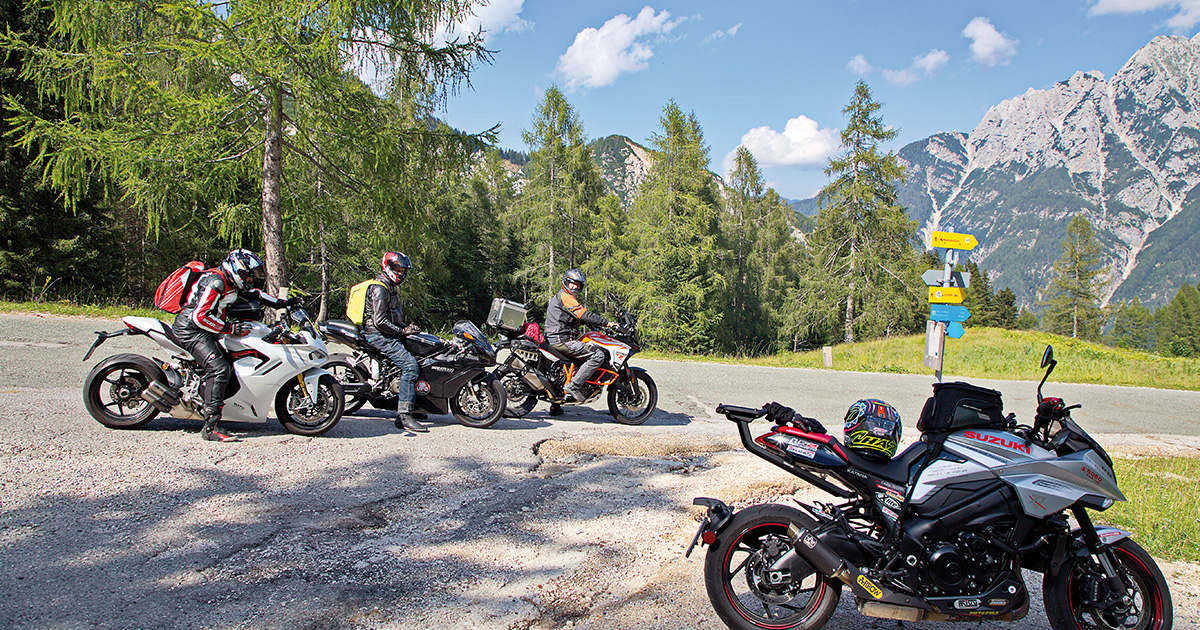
(384, 328)
(201, 322)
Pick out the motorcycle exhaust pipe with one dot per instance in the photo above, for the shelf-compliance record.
(535, 380)
(160, 396)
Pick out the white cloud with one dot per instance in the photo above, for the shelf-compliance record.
(802, 143)
(599, 56)
(922, 66)
(858, 65)
(901, 78)
(729, 32)
(989, 46)
(931, 61)
(493, 18)
(1187, 12)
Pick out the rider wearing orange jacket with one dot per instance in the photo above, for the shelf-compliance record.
(564, 314)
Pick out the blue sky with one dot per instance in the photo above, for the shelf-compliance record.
(775, 74)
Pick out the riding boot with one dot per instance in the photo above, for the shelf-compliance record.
(556, 409)
(213, 431)
(572, 392)
(418, 415)
(405, 420)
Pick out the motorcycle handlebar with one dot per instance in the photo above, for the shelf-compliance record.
(740, 414)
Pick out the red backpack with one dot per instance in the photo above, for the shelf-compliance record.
(173, 292)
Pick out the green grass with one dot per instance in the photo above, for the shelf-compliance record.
(1163, 511)
(991, 353)
(70, 309)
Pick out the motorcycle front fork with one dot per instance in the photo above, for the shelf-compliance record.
(1118, 592)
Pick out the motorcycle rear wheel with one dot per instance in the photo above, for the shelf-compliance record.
(301, 416)
(633, 402)
(112, 391)
(521, 400)
(739, 584)
(479, 403)
(345, 372)
(1065, 594)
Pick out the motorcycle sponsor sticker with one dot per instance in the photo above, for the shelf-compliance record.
(441, 368)
(890, 514)
(966, 604)
(997, 603)
(422, 387)
(1015, 445)
(1109, 534)
(888, 500)
(803, 449)
(1091, 474)
(870, 587)
(857, 473)
(809, 540)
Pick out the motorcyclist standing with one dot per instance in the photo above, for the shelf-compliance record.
(384, 328)
(564, 314)
(201, 322)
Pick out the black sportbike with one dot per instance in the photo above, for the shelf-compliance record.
(940, 532)
(453, 378)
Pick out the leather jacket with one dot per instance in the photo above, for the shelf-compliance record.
(382, 314)
(210, 296)
(564, 314)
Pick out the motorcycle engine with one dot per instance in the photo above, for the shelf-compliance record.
(393, 385)
(964, 565)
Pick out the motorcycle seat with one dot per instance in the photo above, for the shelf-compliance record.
(895, 470)
(545, 345)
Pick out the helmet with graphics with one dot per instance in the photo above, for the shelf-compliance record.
(873, 429)
(246, 269)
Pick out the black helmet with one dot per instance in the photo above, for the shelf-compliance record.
(873, 429)
(395, 267)
(246, 269)
(574, 281)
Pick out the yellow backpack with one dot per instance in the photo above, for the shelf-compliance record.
(356, 304)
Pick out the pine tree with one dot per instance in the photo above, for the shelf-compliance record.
(680, 286)
(744, 224)
(980, 300)
(1178, 323)
(1073, 307)
(183, 103)
(561, 200)
(1005, 311)
(1133, 326)
(864, 239)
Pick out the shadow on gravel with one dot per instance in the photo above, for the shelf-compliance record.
(366, 542)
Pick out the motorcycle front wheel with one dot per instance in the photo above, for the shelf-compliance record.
(746, 594)
(632, 401)
(345, 372)
(521, 399)
(479, 403)
(301, 416)
(112, 391)
(1068, 595)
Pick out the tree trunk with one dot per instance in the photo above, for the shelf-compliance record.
(272, 203)
(323, 312)
(849, 337)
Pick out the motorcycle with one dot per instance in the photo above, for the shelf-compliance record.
(941, 532)
(533, 371)
(273, 367)
(453, 379)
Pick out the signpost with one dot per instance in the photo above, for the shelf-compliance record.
(945, 295)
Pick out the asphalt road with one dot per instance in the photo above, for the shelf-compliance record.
(539, 522)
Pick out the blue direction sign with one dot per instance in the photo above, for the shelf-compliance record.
(955, 329)
(948, 313)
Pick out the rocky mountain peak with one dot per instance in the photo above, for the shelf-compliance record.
(1124, 152)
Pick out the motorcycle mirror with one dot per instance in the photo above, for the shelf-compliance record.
(1048, 362)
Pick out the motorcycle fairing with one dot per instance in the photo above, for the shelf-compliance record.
(261, 380)
(618, 351)
(157, 330)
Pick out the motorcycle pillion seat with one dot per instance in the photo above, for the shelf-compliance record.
(897, 470)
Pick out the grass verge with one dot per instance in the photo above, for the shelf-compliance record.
(71, 309)
(1163, 510)
(991, 353)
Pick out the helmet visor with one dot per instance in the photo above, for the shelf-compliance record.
(255, 277)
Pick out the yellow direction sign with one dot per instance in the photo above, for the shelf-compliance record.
(951, 240)
(945, 295)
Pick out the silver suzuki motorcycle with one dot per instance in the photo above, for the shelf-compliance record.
(941, 532)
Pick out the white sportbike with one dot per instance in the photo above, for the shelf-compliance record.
(273, 368)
